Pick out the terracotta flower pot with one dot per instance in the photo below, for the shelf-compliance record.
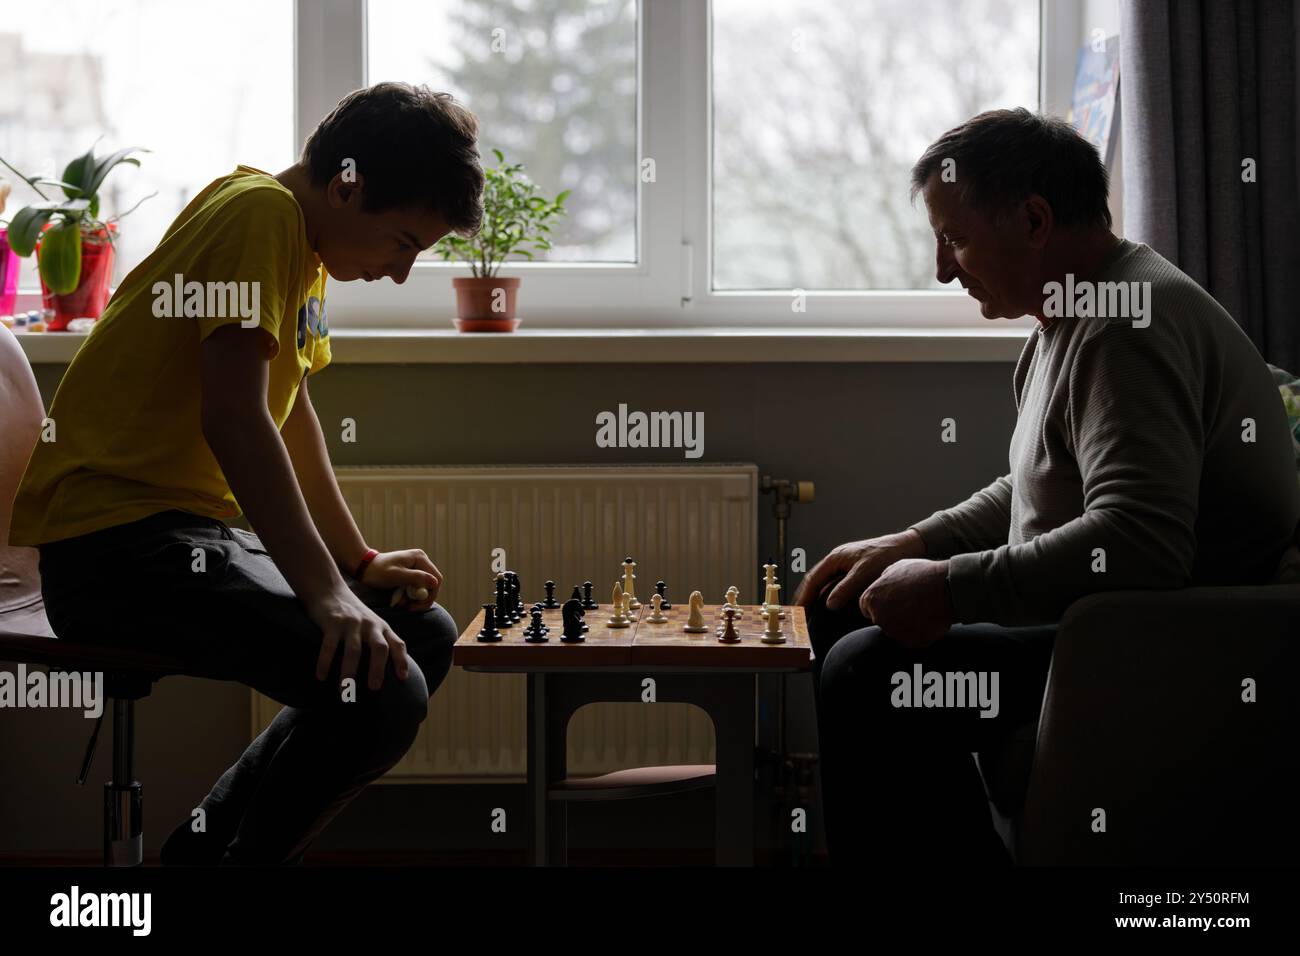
(88, 299)
(486, 305)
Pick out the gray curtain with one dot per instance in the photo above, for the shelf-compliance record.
(1204, 85)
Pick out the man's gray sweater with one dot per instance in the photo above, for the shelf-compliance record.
(1143, 457)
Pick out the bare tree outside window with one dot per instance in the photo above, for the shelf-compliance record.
(819, 110)
(553, 83)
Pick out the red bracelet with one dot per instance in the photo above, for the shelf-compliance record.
(365, 563)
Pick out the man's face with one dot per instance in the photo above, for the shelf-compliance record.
(354, 244)
(997, 264)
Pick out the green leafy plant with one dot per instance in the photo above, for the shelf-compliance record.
(70, 220)
(516, 220)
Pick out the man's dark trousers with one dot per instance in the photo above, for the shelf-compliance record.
(192, 588)
(899, 785)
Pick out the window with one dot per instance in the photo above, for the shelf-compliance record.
(819, 111)
(779, 136)
(202, 86)
(554, 85)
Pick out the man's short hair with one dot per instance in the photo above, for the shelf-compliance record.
(1004, 156)
(412, 146)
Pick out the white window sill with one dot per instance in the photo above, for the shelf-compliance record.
(622, 345)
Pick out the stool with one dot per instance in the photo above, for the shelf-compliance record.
(25, 638)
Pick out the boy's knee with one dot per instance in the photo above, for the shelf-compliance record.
(429, 638)
(396, 711)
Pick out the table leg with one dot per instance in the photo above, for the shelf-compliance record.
(556, 766)
(537, 739)
(733, 722)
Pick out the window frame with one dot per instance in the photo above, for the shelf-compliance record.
(670, 286)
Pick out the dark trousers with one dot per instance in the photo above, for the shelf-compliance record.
(234, 617)
(900, 787)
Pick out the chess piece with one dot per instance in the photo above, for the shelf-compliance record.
(619, 618)
(657, 615)
(773, 600)
(588, 602)
(489, 634)
(512, 577)
(409, 595)
(629, 582)
(576, 595)
(571, 614)
(505, 615)
(661, 589)
(695, 622)
(729, 635)
(536, 632)
(550, 603)
(732, 602)
(772, 633)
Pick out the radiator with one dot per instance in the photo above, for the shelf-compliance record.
(693, 526)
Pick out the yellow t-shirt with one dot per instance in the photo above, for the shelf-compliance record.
(127, 439)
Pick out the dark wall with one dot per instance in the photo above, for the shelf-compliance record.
(867, 434)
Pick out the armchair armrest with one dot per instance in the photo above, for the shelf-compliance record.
(1143, 718)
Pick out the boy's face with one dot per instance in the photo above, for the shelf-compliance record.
(354, 244)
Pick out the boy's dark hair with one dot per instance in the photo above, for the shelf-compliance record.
(1003, 156)
(412, 146)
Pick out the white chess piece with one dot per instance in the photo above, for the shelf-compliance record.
(619, 601)
(629, 583)
(772, 634)
(657, 615)
(732, 602)
(695, 621)
(773, 599)
(411, 594)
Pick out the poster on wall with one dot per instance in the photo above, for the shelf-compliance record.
(1096, 86)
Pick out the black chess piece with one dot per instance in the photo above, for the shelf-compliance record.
(577, 596)
(728, 633)
(588, 602)
(489, 634)
(538, 606)
(515, 589)
(661, 589)
(536, 632)
(505, 615)
(550, 603)
(572, 614)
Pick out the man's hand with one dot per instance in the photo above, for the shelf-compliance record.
(344, 619)
(411, 568)
(910, 602)
(857, 564)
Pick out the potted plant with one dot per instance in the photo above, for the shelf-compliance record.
(74, 247)
(515, 220)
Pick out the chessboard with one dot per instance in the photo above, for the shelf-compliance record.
(641, 643)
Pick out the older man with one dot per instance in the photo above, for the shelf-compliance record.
(1150, 451)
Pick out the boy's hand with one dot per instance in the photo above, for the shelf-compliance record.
(344, 619)
(411, 568)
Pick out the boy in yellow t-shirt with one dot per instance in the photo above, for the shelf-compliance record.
(188, 405)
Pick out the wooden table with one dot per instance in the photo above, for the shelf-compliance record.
(610, 665)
